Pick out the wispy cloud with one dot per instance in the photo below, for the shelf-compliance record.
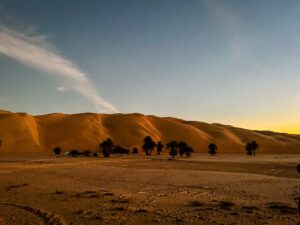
(61, 88)
(35, 52)
(229, 22)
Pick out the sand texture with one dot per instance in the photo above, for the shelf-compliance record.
(138, 190)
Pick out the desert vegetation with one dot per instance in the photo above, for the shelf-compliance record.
(159, 147)
(120, 150)
(149, 145)
(173, 146)
(135, 150)
(86, 153)
(251, 147)
(57, 150)
(107, 147)
(212, 148)
(184, 149)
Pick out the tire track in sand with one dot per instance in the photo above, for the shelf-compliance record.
(148, 201)
(47, 217)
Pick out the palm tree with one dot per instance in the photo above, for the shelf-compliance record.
(57, 150)
(159, 147)
(254, 146)
(172, 145)
(212, 148)
(148, 145)
(106, 147)
(182, 148)
(248, 149)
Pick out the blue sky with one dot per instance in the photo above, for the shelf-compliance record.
(233, 62)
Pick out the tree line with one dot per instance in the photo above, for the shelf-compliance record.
(107, 147)
(149, 145)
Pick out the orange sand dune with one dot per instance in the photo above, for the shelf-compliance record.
(20, 132)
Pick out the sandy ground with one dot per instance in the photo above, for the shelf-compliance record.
(225, 189)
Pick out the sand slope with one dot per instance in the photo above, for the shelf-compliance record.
(20, 132)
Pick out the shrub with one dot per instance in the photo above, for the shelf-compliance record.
(86, 153)
(135, 151)
(74, 153)
(57, 150)
(120, 150)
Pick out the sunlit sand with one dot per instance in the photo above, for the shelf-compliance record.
(224, 189)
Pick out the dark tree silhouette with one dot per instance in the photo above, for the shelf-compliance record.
(95, 154)
(254, 146)
(86, 153)
(106, 147)
(172, 145)
(120, 150)
(212, 148)
(248, 149)
(135, 151)
(182, 148)
(159, 147)
(251, 147)
(74, 153)
(188, 151)
(57, 150)
(148, 145)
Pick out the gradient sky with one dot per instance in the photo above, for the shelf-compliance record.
(232, 62)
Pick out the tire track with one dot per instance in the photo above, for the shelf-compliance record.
(149, 200)
(47, 217)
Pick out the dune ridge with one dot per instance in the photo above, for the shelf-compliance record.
(21, 132)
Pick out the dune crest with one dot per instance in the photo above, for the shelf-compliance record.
(20, 132)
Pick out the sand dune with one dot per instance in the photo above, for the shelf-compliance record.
(20, 132)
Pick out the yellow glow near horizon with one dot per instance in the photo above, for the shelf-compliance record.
(281, 127)
(289, 129)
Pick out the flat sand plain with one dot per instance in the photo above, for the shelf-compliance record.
(222, 189)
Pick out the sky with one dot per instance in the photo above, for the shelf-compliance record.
(231, 62)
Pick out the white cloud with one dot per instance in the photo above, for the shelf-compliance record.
(61, 88)
(37, 53)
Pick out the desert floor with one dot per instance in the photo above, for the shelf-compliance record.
(223, 189)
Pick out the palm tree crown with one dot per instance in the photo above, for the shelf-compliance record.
(251, 147)
(106, 147)
(148, 145)
(212, 148)
(172, 145)
(159, 147)
(182, 148)
(255, 146)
